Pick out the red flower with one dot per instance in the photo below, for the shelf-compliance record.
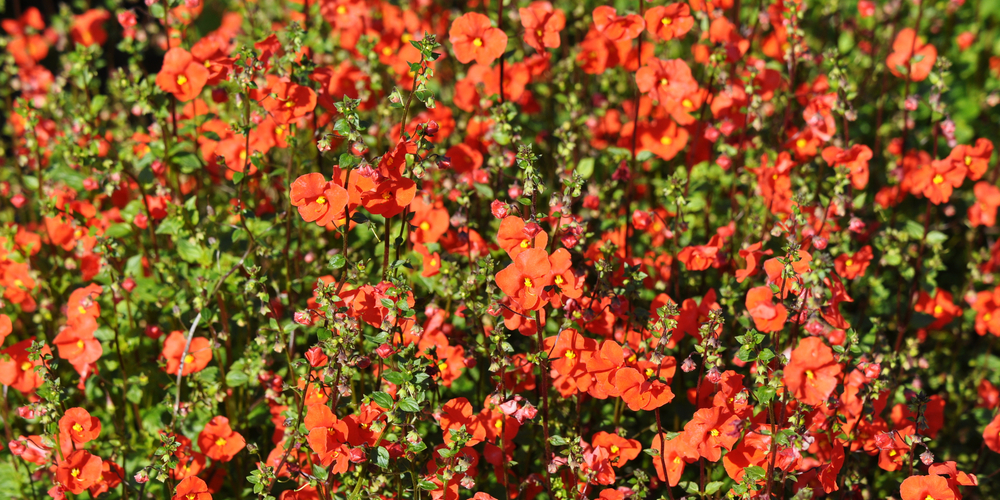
(767, 316)
(220, 442)
(319, 200)
(513, 237)
(620, 450)
(942, 307)
(667, 22)
(79, 471)
(79, 426)
(192, 488)
(28, 43)
(991, 434)
(975, 158)
(617, 28)
(18, 370)
(906, 50)
(542, 25)
(927, 487)
(196, 359)
(854, 159)
(457, 413)
(181, 75)
(752, 254)
(852, 266)
(812, 373)
(473, 38)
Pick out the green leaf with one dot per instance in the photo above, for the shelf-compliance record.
(585, 168)
(765, 393)
(427, 485)
(383, 457)
(409, 404)
(10, 481)
(754, 473)
(97, 103)
(382, 399)
(236, 378)
(189, 250)
(187, 162)
(712, 487)
(936, 237)
(338, 261)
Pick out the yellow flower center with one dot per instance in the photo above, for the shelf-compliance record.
(386, 195)
(181, 79)
(442, 366)
(664, 81)
(74, 472)
(18, 283)
(321, 200)
(424, 226)
(77, 427)
(849, 262)
(968, 160)
(289, 104)
(478, 42)
(810, 375)
(558, 280)
(538, 33)
(188, 359)
(614, 449)
(387, 51)
(79, 344)
(208, 64)
(892, 453)
(987, 317)
(938, 179)
(677, 460)
(220, 442)
(527, 282)
(570, 354)
(938, 310)
(26, 366)
(341, 10)
(649, 372)
(666, 141)
(81, 310)
(243, 155)
(525, 243)
(801, 143)
(714, 432)
(687, 103)
(666, 21)
(499, 424)
(280, 129)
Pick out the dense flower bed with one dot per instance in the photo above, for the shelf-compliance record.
(406, 249)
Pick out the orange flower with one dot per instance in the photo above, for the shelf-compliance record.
(767, 316)
(812, 373)
(457, 413)
(662, 138)
(79, 426)
(87, 29)
(620, 450)
(181, 75)
(975, 158)
(514, 239)
(286, 101)
(674, 453)
(617, 28)
(984, 211)
(17, 370)
(525, 279)
(28, 45)
(473, 38)
(991, 434)
(667, 22)
(327, 437)
(192, 488)
(927, 487)
(79, 471)
(319, 200)
(76, 342)
(711, 430)
(220, 442)
(430, 221)
(196, 359)
(542, 25)
(911, 55)
(937, 180)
